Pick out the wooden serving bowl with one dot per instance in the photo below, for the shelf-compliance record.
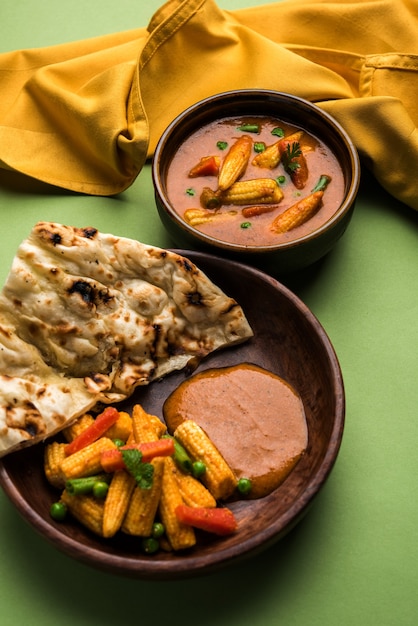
(289, 341)
(287, 256)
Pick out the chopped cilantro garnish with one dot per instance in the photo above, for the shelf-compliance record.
(142, 472)
(190, 191)
(278, 132)
(292, 152)
(222, 145)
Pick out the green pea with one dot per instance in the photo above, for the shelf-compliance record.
(100, 489)
(158, 530)
(244, 486)
(58, 511)
(118, 442)
(150, 545)
(198, 469)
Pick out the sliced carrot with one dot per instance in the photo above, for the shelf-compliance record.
(207, 166)
(255, 210)
(102, 422)
(112, 460)
(220, 521)
(299, 175)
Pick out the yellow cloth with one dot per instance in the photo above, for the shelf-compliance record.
(85, 116)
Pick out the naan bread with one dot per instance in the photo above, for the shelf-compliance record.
(86, 317)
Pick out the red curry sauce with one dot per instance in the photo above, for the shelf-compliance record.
(254, 418)
(229, 224)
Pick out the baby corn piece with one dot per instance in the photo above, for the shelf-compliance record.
(195, 217)
(121, 429)
(218, 477)
(143, 504)
(87, 509)
(269, 158)
(77, 427)
(159, 426)
(289, 140)
(298, 213)
(117, 502)
(235, 162)
(86, 462)
(194, 493)
(53, 456)
(146, 427)
(255, 191)
(179, 535)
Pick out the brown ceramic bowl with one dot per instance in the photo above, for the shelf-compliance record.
(280, 258)
(289, 341)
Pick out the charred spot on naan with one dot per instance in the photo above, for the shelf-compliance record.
(57, 234)
(195, 298)
(187, 265)
(26, 419)
(98, 383)
(89, 293)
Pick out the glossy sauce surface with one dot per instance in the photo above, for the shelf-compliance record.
(184, 192)
(255, 419)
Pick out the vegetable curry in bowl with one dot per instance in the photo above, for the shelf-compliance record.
(254, 181)
(259, 176)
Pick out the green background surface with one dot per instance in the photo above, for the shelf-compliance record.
(353, 560)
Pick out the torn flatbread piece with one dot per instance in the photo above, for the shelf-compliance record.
(87, 317)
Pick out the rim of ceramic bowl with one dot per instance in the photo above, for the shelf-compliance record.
(197, 114)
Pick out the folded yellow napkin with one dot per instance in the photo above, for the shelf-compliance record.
(85, 116)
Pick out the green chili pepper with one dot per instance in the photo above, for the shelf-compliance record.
(180, 455)
(249, 128)
(81, 486)
(322, 183)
